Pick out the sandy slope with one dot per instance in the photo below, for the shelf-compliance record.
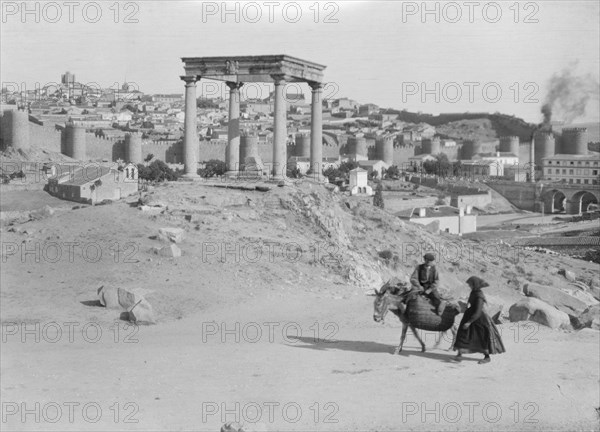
(182, 373)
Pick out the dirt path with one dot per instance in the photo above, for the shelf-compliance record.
(317, 363)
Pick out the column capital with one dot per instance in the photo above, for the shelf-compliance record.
(234, 85)
(190, 79)
(278, 78)
(315, 86)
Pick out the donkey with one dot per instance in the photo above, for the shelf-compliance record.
(386, 300)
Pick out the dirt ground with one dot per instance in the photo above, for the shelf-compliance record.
(280, 340)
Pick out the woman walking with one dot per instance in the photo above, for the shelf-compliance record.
(477, 332)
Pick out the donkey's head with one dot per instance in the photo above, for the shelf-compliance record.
(385, 299)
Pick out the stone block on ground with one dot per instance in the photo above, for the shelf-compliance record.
(117, 298)
(42, 213)
(170, 251)
(568, 274)
(555, 297)
(175, 235)
(533, 309)
(141, 313)
(590, 317)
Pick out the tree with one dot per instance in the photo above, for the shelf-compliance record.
(214, 167)
(157, 171)
(393, 172)
(378, 197)
(149, 158)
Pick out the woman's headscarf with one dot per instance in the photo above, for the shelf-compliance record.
(477, 283)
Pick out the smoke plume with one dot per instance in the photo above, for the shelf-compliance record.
(569, 95)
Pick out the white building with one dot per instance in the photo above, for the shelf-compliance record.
(378, 166)
(450, 219)
(358, 182)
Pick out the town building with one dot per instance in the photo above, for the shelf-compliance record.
(481, 169)
(573, 169)
(94, 183)
(371, 166)
(302, 163)
(452, 220)
(358, 184)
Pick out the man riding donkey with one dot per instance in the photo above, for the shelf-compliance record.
(425, 279)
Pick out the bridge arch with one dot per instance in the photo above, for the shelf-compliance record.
(554, 201)
(580, 202)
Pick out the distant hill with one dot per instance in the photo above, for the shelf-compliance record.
(472, 125)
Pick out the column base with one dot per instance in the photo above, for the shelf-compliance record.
(316, 178)
(190, 177)
(281, 181)
(232, 174)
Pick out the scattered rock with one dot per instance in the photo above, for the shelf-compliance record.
(590, 317)
(42, 213)
(533, 309)
(568, 274)
(585, 296)
(175, 235)
(555, 297)
(151, 210)
(171, 251)
(141, 313)
(117, 298)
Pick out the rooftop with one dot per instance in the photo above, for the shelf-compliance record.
(590, 157)
(430, 212)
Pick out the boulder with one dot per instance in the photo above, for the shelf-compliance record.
(583, 295)
(175, 235)
(117, 298)
(42, 213)
(141, 313)
(590, 317)
(555, 297)
(170, 251)
(533, 309)
(493, 306)
(568, 274)
(151, 210)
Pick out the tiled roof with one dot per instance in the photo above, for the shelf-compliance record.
(86, 175)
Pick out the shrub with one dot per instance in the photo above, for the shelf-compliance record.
(157, 171)
(214, 167)
(378, 197)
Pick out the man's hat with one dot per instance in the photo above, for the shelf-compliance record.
(429, 257)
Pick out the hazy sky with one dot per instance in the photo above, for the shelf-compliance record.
(380, 52)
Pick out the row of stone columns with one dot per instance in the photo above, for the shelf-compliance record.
(190, 135)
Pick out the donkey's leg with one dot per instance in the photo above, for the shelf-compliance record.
(438, 338)
(418, 338)
(398, 349)
(453, 329)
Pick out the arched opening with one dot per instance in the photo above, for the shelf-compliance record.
(583, 201)
(554, 201)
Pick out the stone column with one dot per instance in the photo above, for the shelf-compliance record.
(316, 131)
(279, 130)
(190, 134)
(232, 153)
